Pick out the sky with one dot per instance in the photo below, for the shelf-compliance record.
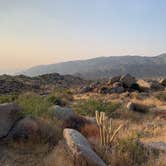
(34, 32)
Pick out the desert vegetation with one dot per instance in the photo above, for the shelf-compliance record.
(116, 128)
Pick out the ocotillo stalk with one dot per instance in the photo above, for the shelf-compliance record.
(99, 120)
(105, 126)
(115, 133)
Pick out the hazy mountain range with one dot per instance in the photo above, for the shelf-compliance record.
(104, 67)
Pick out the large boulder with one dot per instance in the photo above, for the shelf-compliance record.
(31, 129)
(137, 107)
(62, 113)
(9, 114)
(25, 129)
(81, 149)
(127, 80)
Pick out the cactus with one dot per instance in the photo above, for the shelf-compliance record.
(107, 134)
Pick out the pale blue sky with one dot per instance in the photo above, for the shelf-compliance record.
(34, 32)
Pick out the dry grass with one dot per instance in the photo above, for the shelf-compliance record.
(60, 156)
(90, 131)
(125, 150)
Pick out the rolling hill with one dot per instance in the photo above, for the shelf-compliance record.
(104, 67)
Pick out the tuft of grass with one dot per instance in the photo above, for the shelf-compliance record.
(89, 106)
(7, 98)
(161, 96)
(33, 104)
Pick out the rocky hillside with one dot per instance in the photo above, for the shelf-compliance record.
(104, 67)
(20, 83)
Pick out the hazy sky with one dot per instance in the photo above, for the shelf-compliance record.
(34, 32)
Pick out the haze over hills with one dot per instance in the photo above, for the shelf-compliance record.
(104, 67)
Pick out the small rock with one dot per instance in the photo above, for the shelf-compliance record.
(77, 122)
(81, 149)
(86, 89)
(155, 146)
(9, 114)
(117, 84)
(117, 90)
(155, 85)
(114, 79)
(105, 90)
(163, 82)
(144, 85)
(137, 107)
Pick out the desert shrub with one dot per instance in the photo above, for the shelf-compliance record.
(50, 131)
(161, 96)
(60, 97)
(89, 106)
(7, 98)
(130, 146)
(126, 151)
(33, 104)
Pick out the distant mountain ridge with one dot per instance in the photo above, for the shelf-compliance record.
(104, 67)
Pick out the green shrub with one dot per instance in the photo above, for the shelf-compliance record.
(88, 107)
(60, 97)
(33, 104)
(7, 98)
(161, 96)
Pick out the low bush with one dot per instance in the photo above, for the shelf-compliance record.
(33, 104)
(89, 106)
(60, 97)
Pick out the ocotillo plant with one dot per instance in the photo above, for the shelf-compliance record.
(107, 133)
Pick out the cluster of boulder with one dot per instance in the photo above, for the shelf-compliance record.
(13, 125)
(120, 84)
(40, 84)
